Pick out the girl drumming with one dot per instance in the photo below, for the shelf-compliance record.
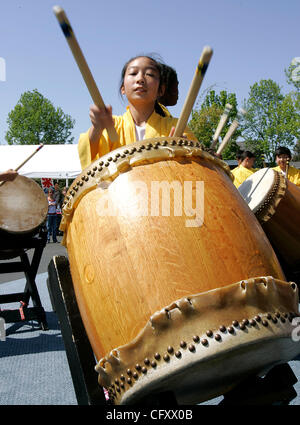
(141, 83)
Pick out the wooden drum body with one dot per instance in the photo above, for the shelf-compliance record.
(23, 209)
(178, 298)
(276, 203)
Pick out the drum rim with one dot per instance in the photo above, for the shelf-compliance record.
(125, 371)
(269, 205)
(109, 166)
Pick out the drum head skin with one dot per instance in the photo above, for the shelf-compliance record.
(23, 206)
(258, 187)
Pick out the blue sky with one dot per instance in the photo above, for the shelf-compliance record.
(251, 40)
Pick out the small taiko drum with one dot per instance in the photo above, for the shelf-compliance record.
(23, 209)
(276, 203)
(177, 284)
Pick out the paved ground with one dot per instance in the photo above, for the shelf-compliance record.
(51, 249)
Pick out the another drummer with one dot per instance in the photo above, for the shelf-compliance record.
(282, 157)
(142, 83)
(245, 169)
(8, 175)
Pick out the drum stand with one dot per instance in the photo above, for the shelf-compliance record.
(79, 353)
(275, 388)
(25, 313)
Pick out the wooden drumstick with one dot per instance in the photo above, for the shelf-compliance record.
(222, 122)
(26, 160)
(193, 91)
(287, 168)
(231, 131)
(82, 64)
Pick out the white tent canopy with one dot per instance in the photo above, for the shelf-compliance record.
(52, 161)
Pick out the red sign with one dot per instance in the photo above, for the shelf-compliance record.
(46, 183)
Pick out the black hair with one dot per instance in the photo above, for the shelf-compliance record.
(170, 80)
(239, 154)
(247, 154)
(282, 150)
(152, 57)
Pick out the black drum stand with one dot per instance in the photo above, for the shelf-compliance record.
(79, 352)
(18, 247)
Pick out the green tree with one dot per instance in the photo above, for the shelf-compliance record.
(35, 120)
(296, 155)
(271, 120)
(205, 120)
(293, 78)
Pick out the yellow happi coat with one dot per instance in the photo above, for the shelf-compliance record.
(293, 174)
(241, 173)
(156, 126)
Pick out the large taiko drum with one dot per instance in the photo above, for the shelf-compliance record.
(276, 203)
(23, 209)
(177, 284)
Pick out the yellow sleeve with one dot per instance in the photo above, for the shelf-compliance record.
(295, 176)
(157, 126)
(104, 145)
(187, 131)
(190, 135)
(84, 150)
(172, 122)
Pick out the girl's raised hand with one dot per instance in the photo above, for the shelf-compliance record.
(101, 118)
(172, 132)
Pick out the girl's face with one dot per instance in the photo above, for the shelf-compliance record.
(250, 162)
(141, 82)
(281, 160)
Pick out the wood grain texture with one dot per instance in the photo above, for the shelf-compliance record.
(125, 268)
(283, 228)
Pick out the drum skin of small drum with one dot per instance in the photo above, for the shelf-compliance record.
(161, 299)
(276, 203)
(23, 209)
